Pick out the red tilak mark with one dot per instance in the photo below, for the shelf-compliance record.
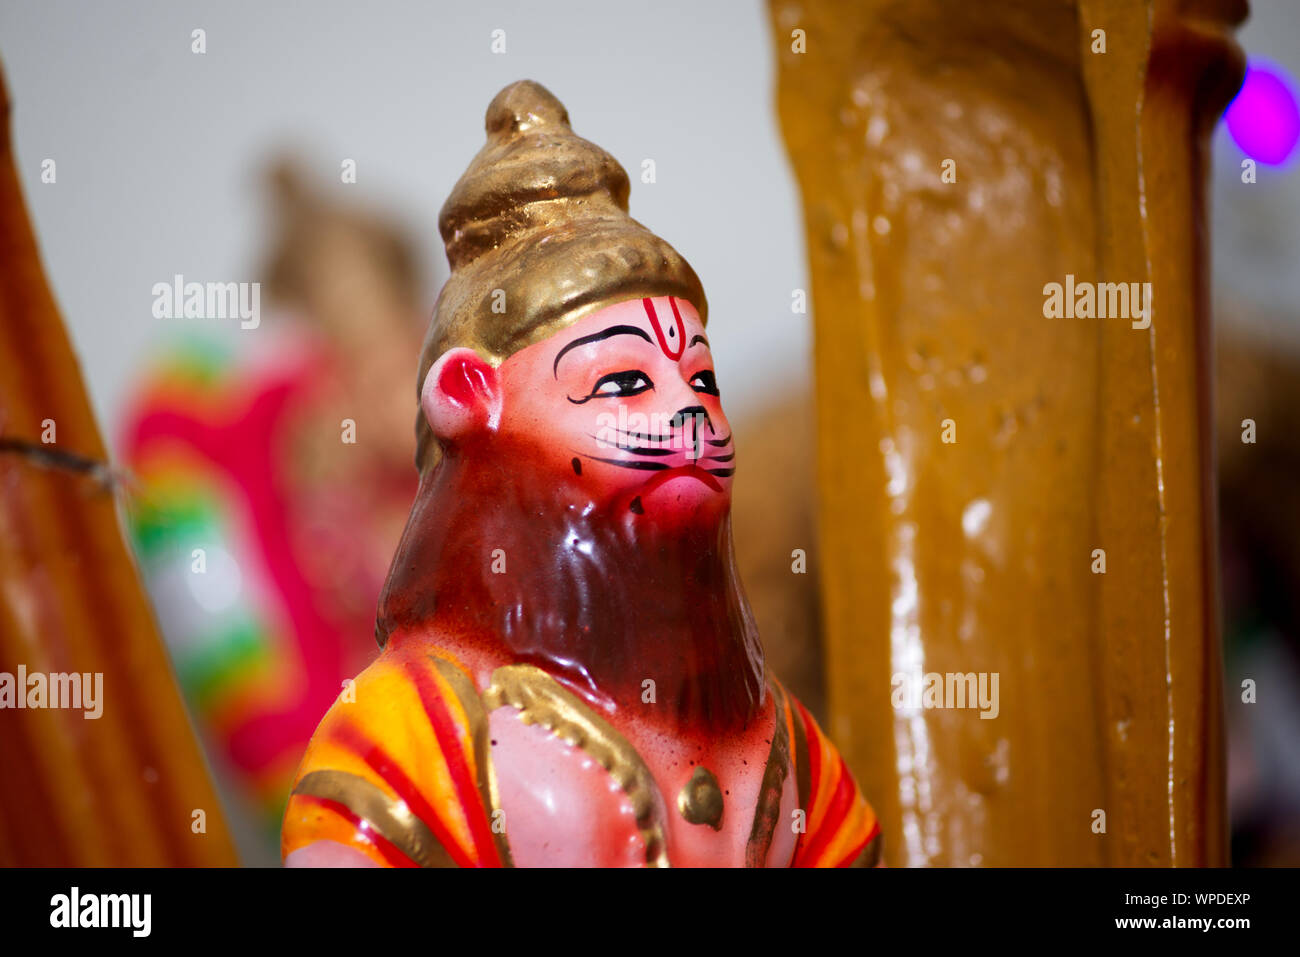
(676, 333)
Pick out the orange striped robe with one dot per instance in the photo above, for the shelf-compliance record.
(842, 830)
(399, 770)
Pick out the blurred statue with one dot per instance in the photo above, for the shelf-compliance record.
(275, 481)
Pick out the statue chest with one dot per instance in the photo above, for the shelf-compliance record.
(573, 792)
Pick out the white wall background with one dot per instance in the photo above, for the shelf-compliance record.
(159, 150)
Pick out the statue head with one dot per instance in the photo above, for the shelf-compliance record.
(570, 424)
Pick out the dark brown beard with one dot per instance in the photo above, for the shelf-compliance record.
(601, 596)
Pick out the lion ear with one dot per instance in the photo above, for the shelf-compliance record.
(461, 395)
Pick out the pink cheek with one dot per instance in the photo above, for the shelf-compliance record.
(646, 403)
(714, 406)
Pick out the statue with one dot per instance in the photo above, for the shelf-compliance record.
(570, 673)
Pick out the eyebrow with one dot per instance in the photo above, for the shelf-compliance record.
(700, 339)
(597, 337)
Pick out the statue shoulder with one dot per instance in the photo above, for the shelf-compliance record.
(399, 768)
(840, 827)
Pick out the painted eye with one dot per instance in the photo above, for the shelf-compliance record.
(622, 384)
(704, 381)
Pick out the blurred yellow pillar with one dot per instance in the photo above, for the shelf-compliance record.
(1012, 488)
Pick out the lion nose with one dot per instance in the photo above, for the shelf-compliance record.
(682, 416)
(696, 414)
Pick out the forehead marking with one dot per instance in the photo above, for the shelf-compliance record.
(673, 340)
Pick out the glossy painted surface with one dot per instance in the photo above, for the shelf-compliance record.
(580, 515)
(566, 643)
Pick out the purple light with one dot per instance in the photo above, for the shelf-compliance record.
(1263, 117)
